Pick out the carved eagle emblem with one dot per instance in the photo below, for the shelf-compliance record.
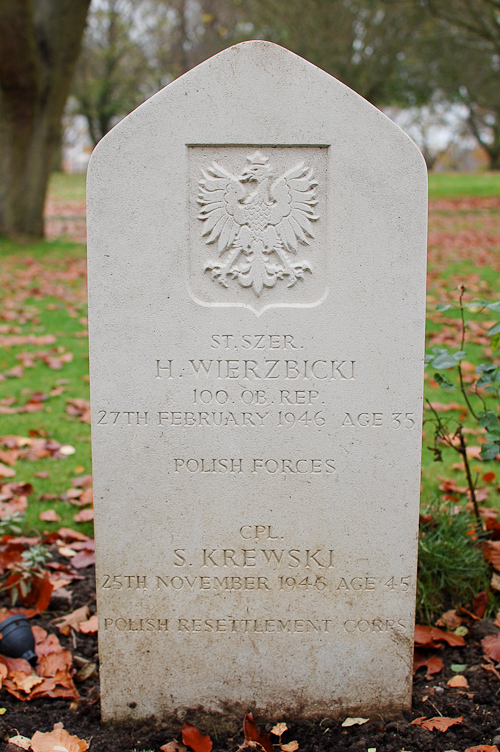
(257, 222)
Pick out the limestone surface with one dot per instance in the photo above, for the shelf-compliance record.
(257, 251)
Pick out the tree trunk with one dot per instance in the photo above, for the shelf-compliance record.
(494, 157)
(39, 45)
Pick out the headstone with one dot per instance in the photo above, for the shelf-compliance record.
(257, 237)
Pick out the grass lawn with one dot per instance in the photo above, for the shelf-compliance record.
(463, 184)
(43, 363)
(44, 353)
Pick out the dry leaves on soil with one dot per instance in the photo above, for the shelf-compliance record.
(440, 723)
(52, 677)
(192, 738)
(432, 637)
(278, 730)
(57, 740)
(255, 738)
(458, 681)
(491, 646)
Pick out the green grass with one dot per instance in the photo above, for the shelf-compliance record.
(27, 272)
(65, 187)
(463, 184)
(451, 567)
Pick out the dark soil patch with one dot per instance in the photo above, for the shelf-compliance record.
(479, 706)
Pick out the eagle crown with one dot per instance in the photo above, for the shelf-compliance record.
(257, 169)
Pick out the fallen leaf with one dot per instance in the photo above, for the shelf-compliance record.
(279, 729)
(85, 515)
(355, 721)
(458, 668)
(491, 646)
(50, 515)
(66, 450)
(433, 663)
(38, 596)
(432, 637)
(450, 619)
(290, 747)
(440, 723)
(458, 681)
(53, 663)
(6, 472)
(57, 740)
(90, 626)
(68, 535)
(83, 559)
(253, 735)
(72, 621)
(191, 737)
(491, 550)
(24, 682)
(23, 742)
(480, 604)
(483, 748)
(87, 671)
(173, 747)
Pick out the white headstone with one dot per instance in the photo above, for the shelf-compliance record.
(257, 239)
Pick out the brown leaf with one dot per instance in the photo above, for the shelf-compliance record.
(433, 663)
(83, 481)
(491, 550)
(491, 646)
(45, 643)
(59, 740)
(458, 681)
(20, 741)
(53, 663)
(450, 619)
(431, 637)
(440, 723)
(480, 604)
(72, 621)
(50, 515)
(90, 626)
(83, 559)
(67, 534)
(173, 747)
(254, 736)
(24, 682)
(85, 515)
(191, 737)
(483, 748)
(279, 729)
(38, 596)
(6, 472)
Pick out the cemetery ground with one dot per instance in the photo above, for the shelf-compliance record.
(46, 552)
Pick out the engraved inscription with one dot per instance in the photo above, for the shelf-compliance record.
(226, 625)
(257, 222)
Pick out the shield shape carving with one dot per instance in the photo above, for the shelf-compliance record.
(257, 226)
